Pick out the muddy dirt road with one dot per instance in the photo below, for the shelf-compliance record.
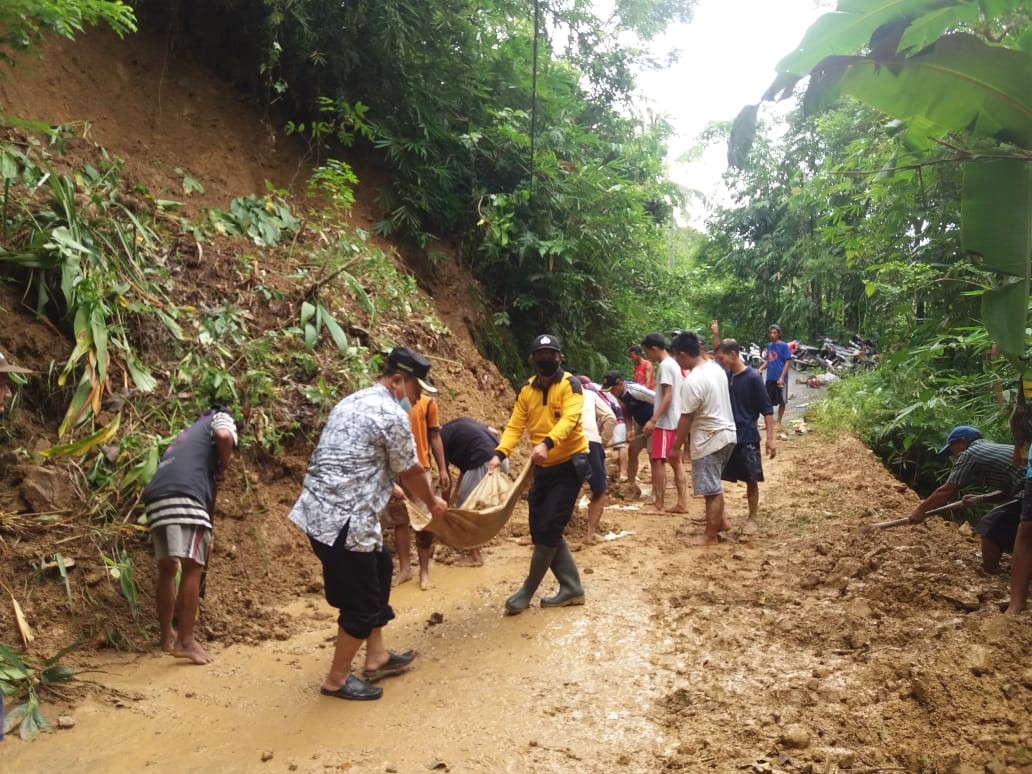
(806, 647)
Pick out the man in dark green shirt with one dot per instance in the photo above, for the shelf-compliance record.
(989, 466)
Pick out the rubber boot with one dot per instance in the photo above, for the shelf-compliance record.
(565, 570)
(540, 561)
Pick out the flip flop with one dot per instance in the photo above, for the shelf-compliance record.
(396, 664)
(354, 689)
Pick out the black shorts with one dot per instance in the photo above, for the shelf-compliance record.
(1000, 525)
(358, 584)
(745, 464)
(597, 459)
(776, 393)
(551, 499)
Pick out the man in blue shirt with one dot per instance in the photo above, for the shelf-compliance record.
(776, 362)
(1021, 565)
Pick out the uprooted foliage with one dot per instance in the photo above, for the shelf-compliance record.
(271, 308)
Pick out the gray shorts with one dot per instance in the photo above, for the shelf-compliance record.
(469, 480)
(641, 438)
(182, 541)
(706, 472)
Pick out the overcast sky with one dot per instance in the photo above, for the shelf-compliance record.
(728, 55)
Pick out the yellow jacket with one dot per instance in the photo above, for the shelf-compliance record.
(551, 414)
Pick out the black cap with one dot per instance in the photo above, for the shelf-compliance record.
(411, 363)
(610, 380)
(545, 341)
(654, 340)
(7, 368)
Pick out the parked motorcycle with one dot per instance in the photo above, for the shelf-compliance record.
(753, 355)
(804, 355)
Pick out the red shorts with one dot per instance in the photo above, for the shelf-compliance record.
(662, 444)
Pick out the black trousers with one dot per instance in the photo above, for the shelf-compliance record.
(358, 584)
(551, 499)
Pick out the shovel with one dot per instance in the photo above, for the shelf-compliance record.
(956, 505)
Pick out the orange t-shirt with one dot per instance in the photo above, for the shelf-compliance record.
(423, 418)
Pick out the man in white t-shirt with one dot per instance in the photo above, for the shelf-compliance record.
(663, 424)
(596, 408)
(707, 417)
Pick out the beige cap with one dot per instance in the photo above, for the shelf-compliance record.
(7, 368)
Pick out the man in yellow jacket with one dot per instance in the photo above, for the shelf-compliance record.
(549, 409)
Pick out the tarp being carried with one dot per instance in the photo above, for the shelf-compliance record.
(481, 517)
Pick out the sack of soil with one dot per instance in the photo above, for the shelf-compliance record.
(480, 517)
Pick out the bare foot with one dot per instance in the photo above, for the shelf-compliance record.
(402, 577)
(679, 509)
(469, 561)
(725, 526)
(704, 540)
(424, 581)
(194, 652)
(750, 527)
(168, 642)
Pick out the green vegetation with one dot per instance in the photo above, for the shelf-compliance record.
(23, 23)
(513, 135)
(513, 145)
(22, 680)
(909, 215)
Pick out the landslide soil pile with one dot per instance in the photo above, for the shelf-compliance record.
(166, 117)
(808, 647)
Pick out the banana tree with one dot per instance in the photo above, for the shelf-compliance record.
(942, 67)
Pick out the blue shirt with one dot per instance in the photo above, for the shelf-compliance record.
(777, 355)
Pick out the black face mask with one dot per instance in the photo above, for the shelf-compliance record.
(547, 368)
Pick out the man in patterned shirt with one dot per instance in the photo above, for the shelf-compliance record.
(987, 465)
(366, 444)
(179, 502)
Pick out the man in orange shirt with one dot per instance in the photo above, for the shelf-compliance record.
(426, 431)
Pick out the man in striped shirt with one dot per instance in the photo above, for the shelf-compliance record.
(179, 502)
(638, 403)
(990, 467)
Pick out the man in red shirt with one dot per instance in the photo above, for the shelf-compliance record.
(643, 370)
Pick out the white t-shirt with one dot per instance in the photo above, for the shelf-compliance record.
(705, 395)
(587, 418)
(669, 372)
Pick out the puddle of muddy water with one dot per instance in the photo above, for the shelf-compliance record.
(549, 690)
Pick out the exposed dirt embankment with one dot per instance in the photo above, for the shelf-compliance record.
(808, 647)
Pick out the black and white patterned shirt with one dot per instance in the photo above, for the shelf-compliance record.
(182, 491)
(366, 443)
(988, 465)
